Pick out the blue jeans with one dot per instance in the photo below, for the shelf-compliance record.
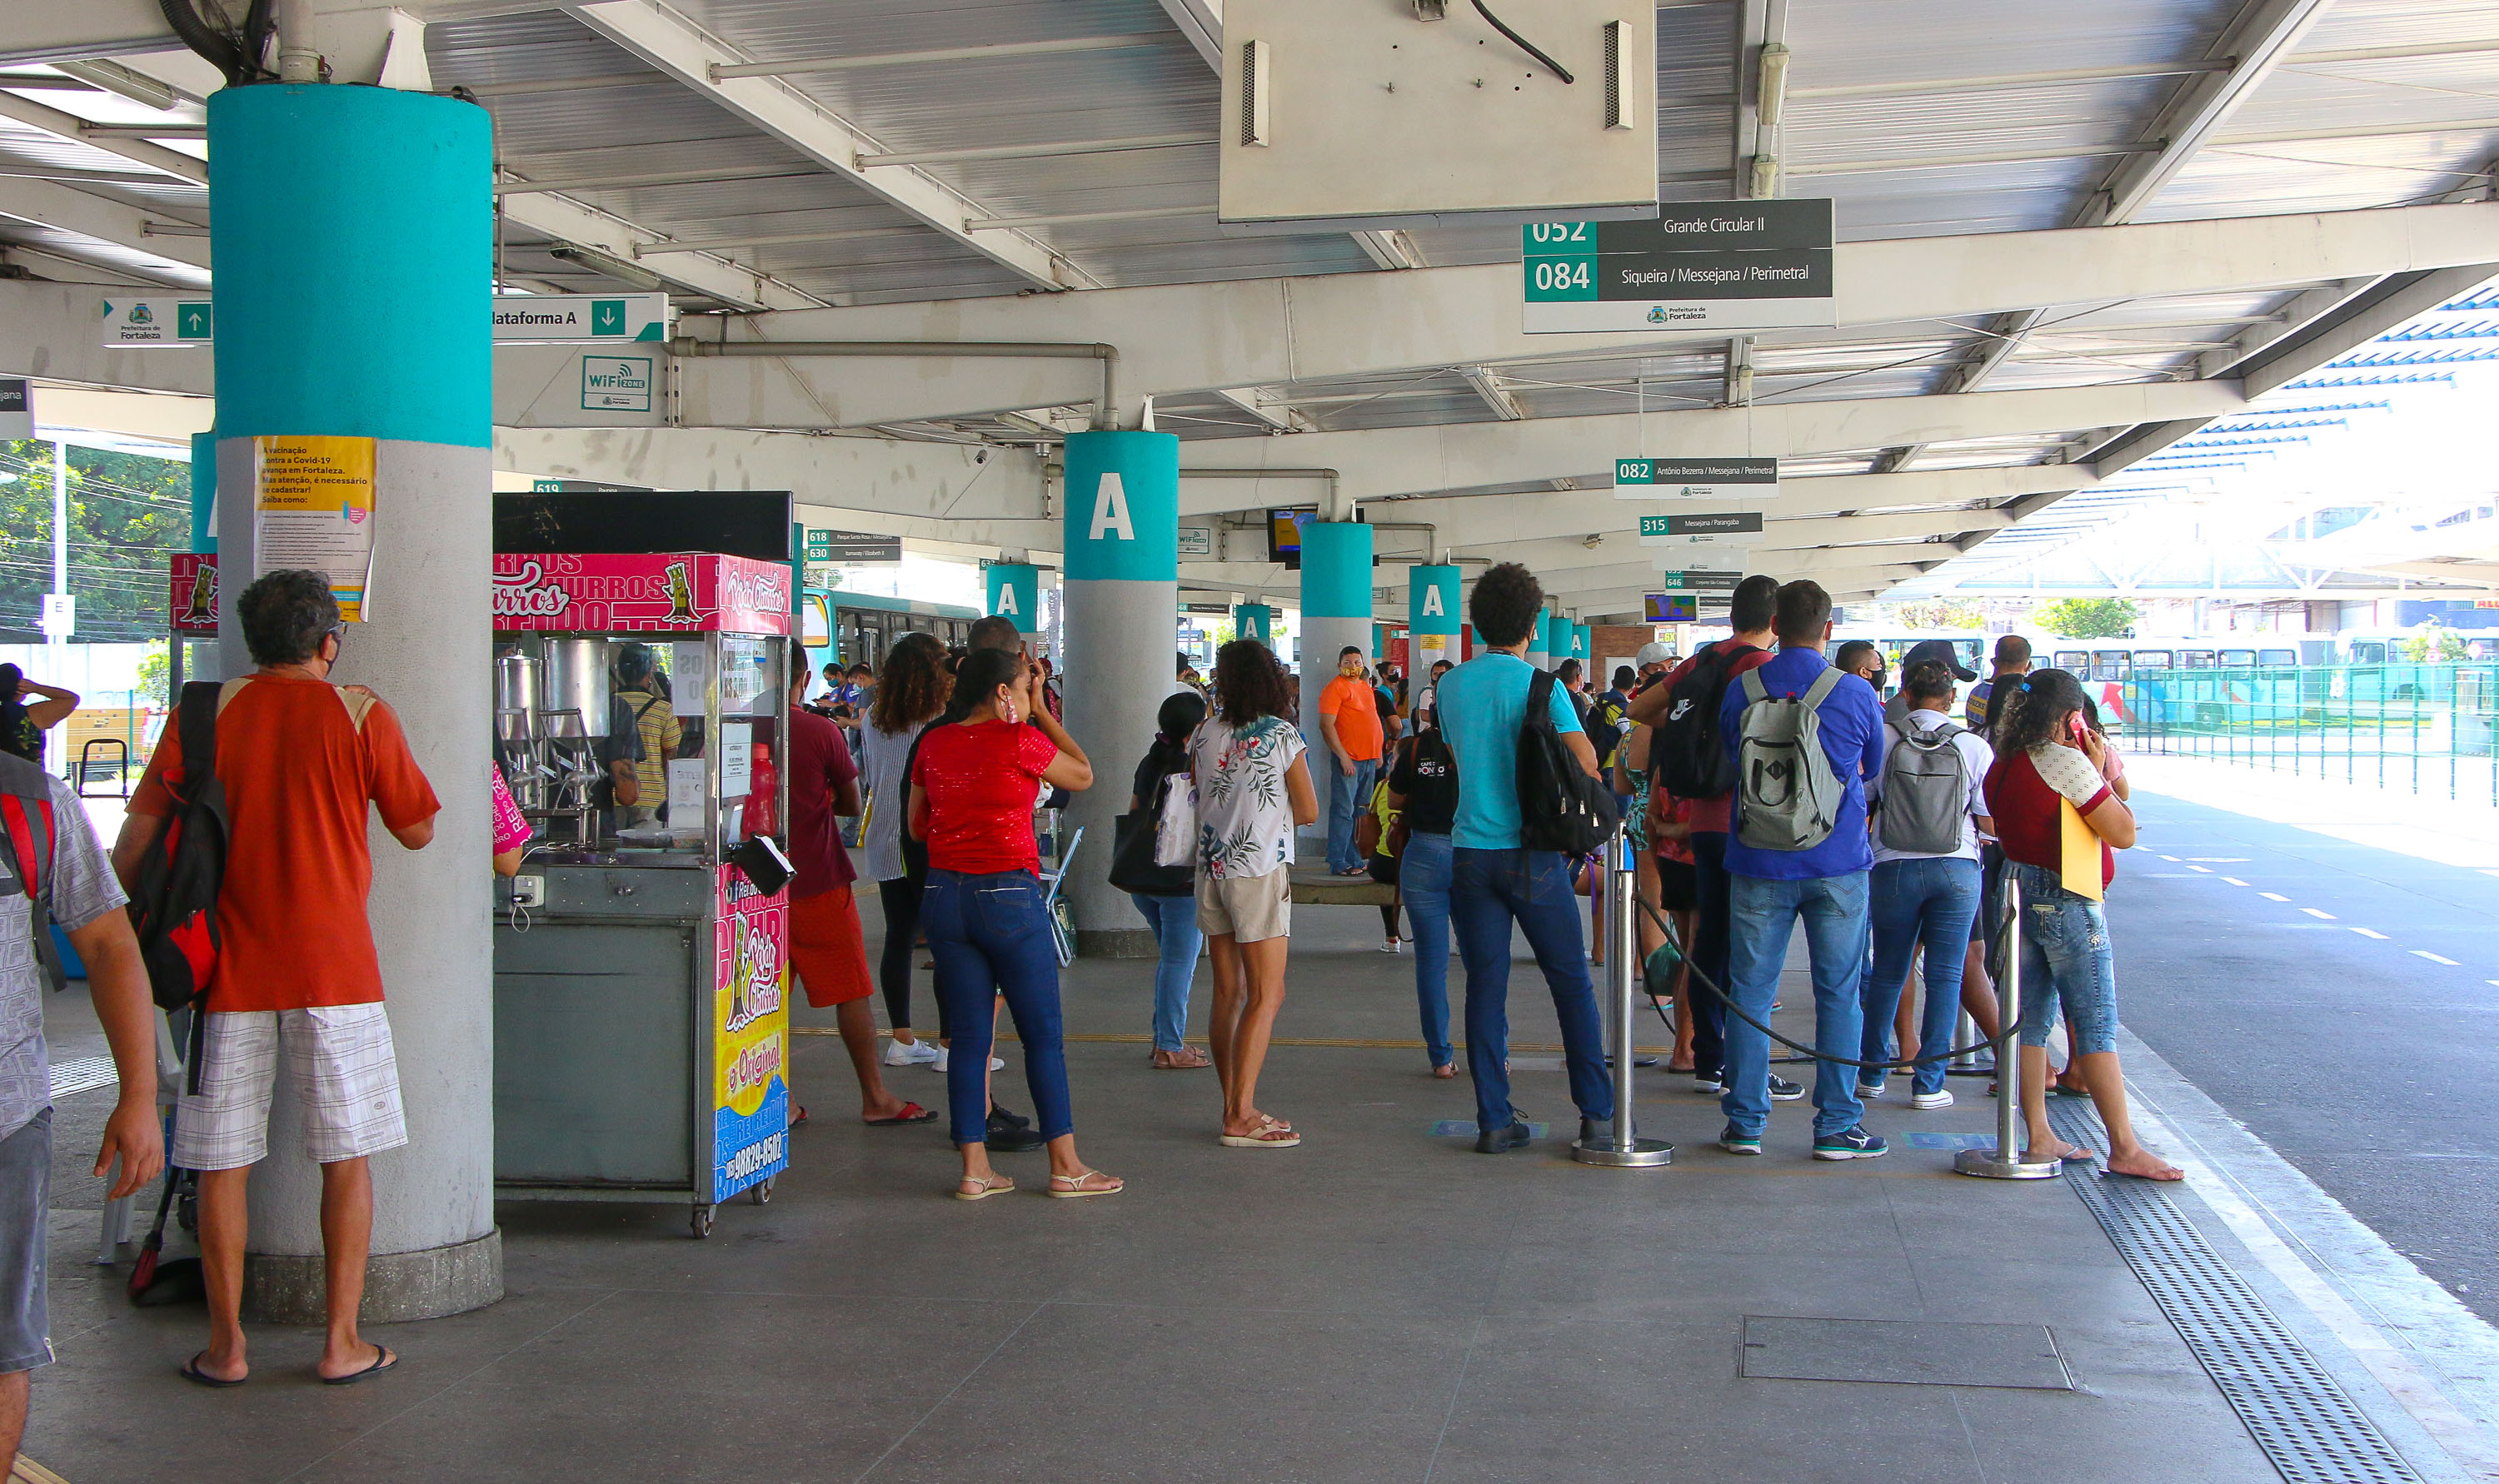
(1488, 891)
(989, 938)
(1347, 798)
(1423, 878)
(1913, 902)
(1762, 919)
(1176, 934)
(2066, 963)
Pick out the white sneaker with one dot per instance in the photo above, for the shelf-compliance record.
(1392, 946)
(1941, 1097)
(939, 1063)
(912, 1054)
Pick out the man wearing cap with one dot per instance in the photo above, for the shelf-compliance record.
(1895, 711)
(1654, 661)
(2012, 662)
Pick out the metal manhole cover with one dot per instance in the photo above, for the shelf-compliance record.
(1903, 1352)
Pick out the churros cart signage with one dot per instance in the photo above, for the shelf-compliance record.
(194, 597)
(659, 592)
(751, 1035)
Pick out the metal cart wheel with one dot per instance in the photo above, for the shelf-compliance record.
(703, 1222)
(761, 1195)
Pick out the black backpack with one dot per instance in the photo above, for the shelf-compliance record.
(1688, 757)
(174, 902)
(1560, 807)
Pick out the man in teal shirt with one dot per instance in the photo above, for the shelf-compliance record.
(1494, 881)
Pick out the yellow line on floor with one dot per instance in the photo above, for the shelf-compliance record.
(29, 1471)
(1356, 1043)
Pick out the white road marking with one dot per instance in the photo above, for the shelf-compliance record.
(2273, 896)
(2326, 916)
(2234, 880)
(2205, 870)
(2434, 958)
(2220, 860)
(2173, 860)
(2369, 933)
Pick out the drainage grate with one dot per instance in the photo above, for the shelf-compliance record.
(2297, 1414)
(82, 1074)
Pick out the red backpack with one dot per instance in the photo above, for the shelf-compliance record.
(174, 902)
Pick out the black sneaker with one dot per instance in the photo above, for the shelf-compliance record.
(1503, 1139)
(1002, 1115)
(1784, 1091)
(1850, 1143)
(1008, 1134)
(1708, 1083)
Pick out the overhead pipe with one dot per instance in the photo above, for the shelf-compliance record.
(1105, 412)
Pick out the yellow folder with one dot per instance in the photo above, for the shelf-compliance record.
(2080, 858)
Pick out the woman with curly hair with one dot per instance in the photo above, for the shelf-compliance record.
(2047, 756)
(1252, 790)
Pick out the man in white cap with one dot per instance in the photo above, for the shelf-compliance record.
(1655, 660)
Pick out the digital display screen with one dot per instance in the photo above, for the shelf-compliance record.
(1674, 608)
(1285, 536)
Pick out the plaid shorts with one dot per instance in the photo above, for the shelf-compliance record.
(339, 1063)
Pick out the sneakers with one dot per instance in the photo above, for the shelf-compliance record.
(1502, 1141)
(1941, 1097)
(1868, 1092)
(937, 1063)
(1735, 1142)
(913, 1054)
(1708, 1083)
(1009, 1134)
(1392, 946)
(1850, 1143)
(1784, 1091)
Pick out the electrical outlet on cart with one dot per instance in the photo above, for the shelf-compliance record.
(529, 891)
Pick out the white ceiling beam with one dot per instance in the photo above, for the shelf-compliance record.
(674, 45)
(1197, 337)
(1413, 461)
(2266, 32)
(47, 204)
(569, 222)
(1267, 405)
(69, 127)
(1487, 385)
(1201, 21)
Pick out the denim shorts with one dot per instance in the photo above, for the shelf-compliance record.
(26, 1190)
(2068, 966)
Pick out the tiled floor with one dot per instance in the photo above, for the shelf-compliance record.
(1379, 1303)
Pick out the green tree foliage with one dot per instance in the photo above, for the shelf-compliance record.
(1939, 613)
(155, 677)
(2087, 617)
(2435, 644)
(128, 513)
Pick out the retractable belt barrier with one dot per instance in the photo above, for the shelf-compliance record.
(1624, 1148)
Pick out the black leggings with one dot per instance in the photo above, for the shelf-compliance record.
(900, 898)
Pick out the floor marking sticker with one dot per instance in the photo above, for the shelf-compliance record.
(2434, 958)
(2370, 933)
(2273, 896)
(2234, 880)
(2322, 916)
(2202, 870)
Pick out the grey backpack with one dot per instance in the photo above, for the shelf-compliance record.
(1787, 795)
(1926, 791)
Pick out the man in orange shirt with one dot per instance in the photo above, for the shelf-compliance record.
(1349, 721)
(297, 977)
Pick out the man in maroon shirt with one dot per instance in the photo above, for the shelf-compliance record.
(826, 947)
(1754, 606)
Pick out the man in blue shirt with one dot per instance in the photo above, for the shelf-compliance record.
(1494, 881)
(1825, 885)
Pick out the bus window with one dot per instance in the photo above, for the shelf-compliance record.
(2196, 659)
(2073, 661)
(2482, 649)
(2277, 656)
(2110, 665)
(2155, 660)
(2238, 657)
(2368, 652)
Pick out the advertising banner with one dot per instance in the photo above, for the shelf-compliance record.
(652, 593)
(194, 594)
(750, 1035)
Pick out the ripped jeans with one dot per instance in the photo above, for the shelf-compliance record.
(2066, 963)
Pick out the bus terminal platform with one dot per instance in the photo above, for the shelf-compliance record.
(1381, 1304)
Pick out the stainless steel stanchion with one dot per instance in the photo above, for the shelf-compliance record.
(2007, 1161)
(1623, 1150)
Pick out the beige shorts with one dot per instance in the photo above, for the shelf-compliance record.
(338, 1060)
(1246, 909)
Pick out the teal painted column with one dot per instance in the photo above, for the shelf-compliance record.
(1579, 645)
(1336, 609)
(1254, 621)
(1539, 642)
(352, 240)
(1119, 596)
(1015, 593)
(1432, 613)
(204, 491)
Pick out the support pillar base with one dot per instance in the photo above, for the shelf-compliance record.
(285, 1288)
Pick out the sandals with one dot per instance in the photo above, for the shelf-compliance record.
(384, 1358)
(192, 1373)
(1187, 1058)
(1072, 1187)
(912, 1112)
(975, 1188)
(1271, 1134)
(1445, 1070)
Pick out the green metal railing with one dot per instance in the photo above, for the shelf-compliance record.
(2428, 728)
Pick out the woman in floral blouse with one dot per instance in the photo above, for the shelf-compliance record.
(1251, 792)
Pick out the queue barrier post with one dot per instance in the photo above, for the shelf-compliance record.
(2007, 1160)
(1623, 1150)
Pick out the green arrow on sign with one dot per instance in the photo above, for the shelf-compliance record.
(607, 316)
(191, 321)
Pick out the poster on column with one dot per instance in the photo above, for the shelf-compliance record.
(313, 507)
(751, 1040)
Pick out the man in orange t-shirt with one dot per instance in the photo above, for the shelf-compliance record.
(1349, 724)
(297, 977)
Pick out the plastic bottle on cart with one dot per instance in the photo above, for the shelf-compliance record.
(763, 794)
